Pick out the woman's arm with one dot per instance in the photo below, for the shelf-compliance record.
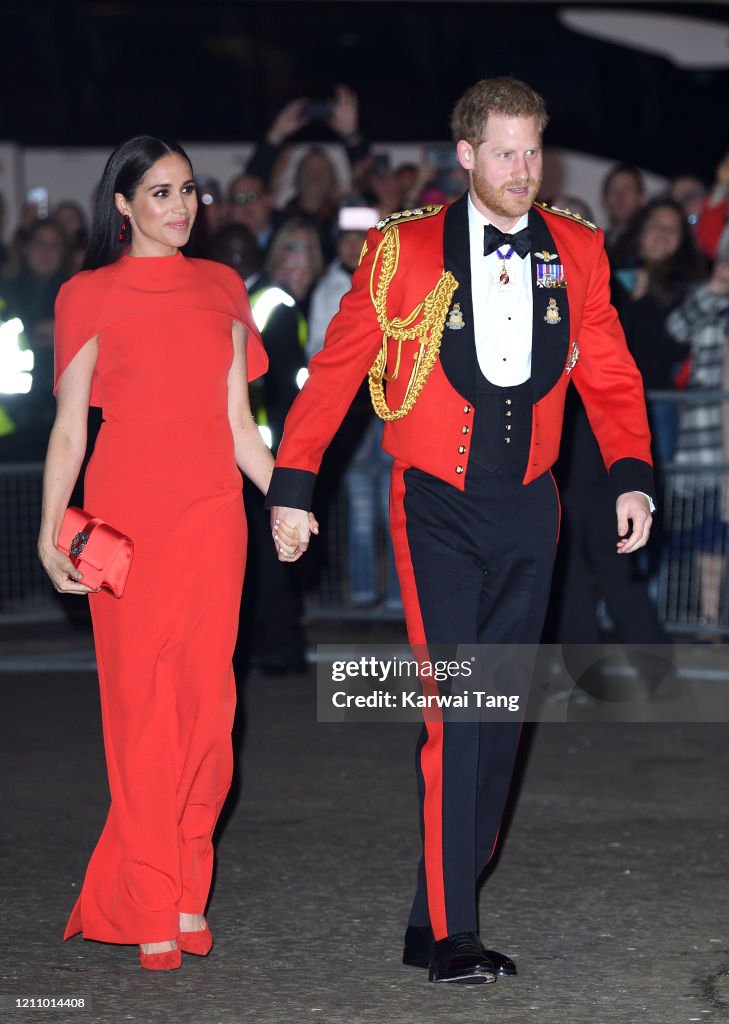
(66, 450)
(252, 456)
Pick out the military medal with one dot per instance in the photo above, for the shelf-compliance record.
(455, 318)
(504, 256)
(550, 275)
(573, 357)
(552, 315)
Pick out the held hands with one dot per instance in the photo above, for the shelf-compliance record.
(64, 575)
(634, 506)
(291, 529)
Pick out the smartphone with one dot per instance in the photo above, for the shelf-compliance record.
(357, 218)
(318, 110)
(38, 197)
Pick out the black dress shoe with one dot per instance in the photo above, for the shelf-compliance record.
(419, 943)
(461, 958)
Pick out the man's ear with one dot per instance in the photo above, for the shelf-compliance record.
(465, 154)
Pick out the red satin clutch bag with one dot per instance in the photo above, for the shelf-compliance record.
(100, 552)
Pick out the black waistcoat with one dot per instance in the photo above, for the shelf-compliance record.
(492, 445)
(502, 426)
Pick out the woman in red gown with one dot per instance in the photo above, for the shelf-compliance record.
(165, 345)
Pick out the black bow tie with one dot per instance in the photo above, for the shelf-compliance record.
(494, 239)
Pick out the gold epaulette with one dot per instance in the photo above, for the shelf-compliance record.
(568, 214)
(419, 213)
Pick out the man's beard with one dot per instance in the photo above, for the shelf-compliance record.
(500, 201)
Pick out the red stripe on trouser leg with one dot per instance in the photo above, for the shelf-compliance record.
(431, 754)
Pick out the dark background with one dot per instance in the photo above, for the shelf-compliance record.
(87, 73)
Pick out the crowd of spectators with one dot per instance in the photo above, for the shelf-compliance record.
(670, 284)
(285, 223)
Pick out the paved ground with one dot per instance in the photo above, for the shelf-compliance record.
(611, 894)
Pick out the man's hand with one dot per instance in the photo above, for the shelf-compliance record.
(634, 506)
(291, 529)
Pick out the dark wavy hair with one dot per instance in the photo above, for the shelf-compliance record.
(668, 279)
(124, 170)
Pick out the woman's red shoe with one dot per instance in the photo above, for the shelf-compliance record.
(169, 960)
(198, 943)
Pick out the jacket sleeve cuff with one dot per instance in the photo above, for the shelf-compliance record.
(293, 488)
(632, 475)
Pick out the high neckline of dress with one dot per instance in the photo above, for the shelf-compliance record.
(146, 260)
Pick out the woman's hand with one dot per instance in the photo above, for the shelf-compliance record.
(65, 577)
(291, 529)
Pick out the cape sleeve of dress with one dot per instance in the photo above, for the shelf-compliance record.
(75, 323)
(240, 309)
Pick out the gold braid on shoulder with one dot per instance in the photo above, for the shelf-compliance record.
(427, 331)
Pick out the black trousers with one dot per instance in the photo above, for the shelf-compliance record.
(475, 568)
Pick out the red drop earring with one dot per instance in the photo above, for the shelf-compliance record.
(124, 229)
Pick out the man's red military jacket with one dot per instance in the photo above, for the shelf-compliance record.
(584, 343)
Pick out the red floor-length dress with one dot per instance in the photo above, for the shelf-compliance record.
(162, 471)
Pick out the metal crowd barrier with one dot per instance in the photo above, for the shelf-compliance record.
(693, 594)
(25, 590)
(691, 586)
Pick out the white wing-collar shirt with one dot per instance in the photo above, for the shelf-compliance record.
(502, 313)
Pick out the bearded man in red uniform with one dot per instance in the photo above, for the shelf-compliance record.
(471, 321)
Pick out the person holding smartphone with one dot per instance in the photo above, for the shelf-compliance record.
(317, 186)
